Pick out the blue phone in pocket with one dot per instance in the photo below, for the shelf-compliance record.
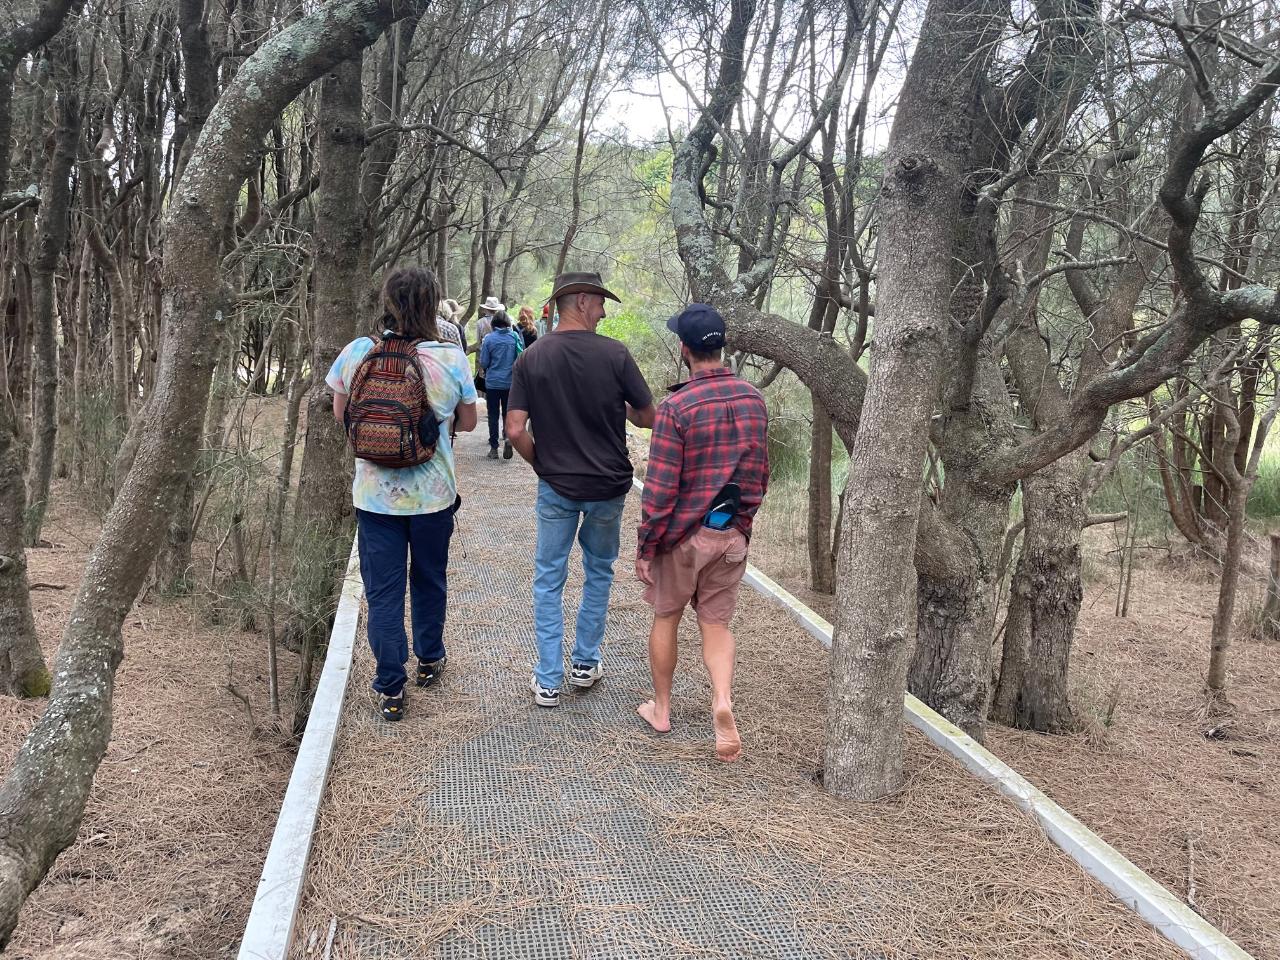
(724, 508)
(718, 519)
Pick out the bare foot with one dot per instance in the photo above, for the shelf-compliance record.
(728, 743)
(659, 721)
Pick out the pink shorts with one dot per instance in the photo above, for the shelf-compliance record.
(704, 570)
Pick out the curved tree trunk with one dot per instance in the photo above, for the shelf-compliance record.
(43, 798)
(956, 603)
(50, 241)
(1044, 603)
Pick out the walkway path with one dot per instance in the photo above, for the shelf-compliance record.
(485, 827)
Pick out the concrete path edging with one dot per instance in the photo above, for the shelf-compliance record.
(268, 934)
(1176, 921)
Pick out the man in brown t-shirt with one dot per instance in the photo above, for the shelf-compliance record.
(576, 389)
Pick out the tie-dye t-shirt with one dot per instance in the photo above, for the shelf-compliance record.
(428, 487)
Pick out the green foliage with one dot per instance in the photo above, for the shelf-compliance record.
(629, 327)
(1264, 498)
(100, 436)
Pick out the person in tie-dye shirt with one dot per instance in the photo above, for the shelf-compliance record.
(408, 511)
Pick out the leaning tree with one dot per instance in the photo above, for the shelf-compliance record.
(42, 799)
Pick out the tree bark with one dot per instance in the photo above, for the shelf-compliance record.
(323, 517)
(51, 239)
(822, 572)
(43, 798)
(956, 602)
(1270, 626)
(928, 159)
(22, 668)
(1044, 603)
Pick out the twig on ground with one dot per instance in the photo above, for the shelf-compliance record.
(328, 943)
(1191, 874)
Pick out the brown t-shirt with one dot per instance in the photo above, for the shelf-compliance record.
(574, 385)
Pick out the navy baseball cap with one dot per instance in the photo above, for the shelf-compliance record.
(699, 327)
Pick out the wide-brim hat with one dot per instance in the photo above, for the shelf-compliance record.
(581, 282)
(492, 305)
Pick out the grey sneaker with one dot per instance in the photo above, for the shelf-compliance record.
(493, 453)
(429, 671)
(543, 696)
(585, 675)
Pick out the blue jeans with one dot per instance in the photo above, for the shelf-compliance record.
(384, 542)
(596, 523)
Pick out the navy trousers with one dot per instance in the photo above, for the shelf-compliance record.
(386, 542)
(495, 402)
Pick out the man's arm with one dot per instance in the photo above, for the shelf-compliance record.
(642, 417)
(518, 433)
(465, 417)
(636, 394)
(339, 405)
(661, 482)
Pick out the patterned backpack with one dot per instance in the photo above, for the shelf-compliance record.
(389, 419)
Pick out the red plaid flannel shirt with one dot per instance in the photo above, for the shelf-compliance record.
(711, 431)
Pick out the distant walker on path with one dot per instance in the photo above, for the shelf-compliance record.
(707, 475)
(576, 389)
(497, 357)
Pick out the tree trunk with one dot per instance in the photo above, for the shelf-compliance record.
(956, 600)
(43, 798)
(1044, 602)
(822, 573)
(22, 668)
(50, 242)
(68, 383)
(1270, 627)
(1220, 635)
(323, 516)
(875, 611)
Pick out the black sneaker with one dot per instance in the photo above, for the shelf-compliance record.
(393, 707)
(506, 450)
(429, 671)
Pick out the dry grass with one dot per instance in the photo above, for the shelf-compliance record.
(184, 803)
(1185, 807)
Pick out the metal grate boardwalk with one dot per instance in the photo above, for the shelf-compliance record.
(580, 863)
(482, 826)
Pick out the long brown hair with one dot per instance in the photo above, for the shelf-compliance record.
(410, 299)
(526, 318)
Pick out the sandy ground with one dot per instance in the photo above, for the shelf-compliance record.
(184, 803)
(1197, 810)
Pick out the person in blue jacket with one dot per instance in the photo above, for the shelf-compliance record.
(498, 355)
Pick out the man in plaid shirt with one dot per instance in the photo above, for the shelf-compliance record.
(710, 434)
